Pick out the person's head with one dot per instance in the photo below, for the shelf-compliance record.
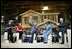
(30, 23)
(35, 23)
(19, 23)
(61, 19)
(49, 23)
(27, 30)
(9, 22)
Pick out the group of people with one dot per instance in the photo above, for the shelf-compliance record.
(11, 29)
(34, 29)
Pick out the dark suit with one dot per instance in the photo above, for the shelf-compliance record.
(62, 27)
(9, 30)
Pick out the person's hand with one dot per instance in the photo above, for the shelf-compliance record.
(23, 26)
(58, 24)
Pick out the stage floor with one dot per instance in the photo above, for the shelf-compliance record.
(35, 44)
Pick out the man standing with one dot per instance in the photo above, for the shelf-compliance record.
(9, 27)
(62, 27)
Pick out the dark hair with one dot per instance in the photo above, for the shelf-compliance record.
(49, 22)
(30, 24)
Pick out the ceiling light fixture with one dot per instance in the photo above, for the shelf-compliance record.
(45, 8)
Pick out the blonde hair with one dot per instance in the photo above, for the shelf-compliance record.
(19, 23)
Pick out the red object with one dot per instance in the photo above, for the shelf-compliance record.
(19, 28)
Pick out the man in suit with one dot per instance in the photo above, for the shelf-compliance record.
(9, 27)
(62, 27)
